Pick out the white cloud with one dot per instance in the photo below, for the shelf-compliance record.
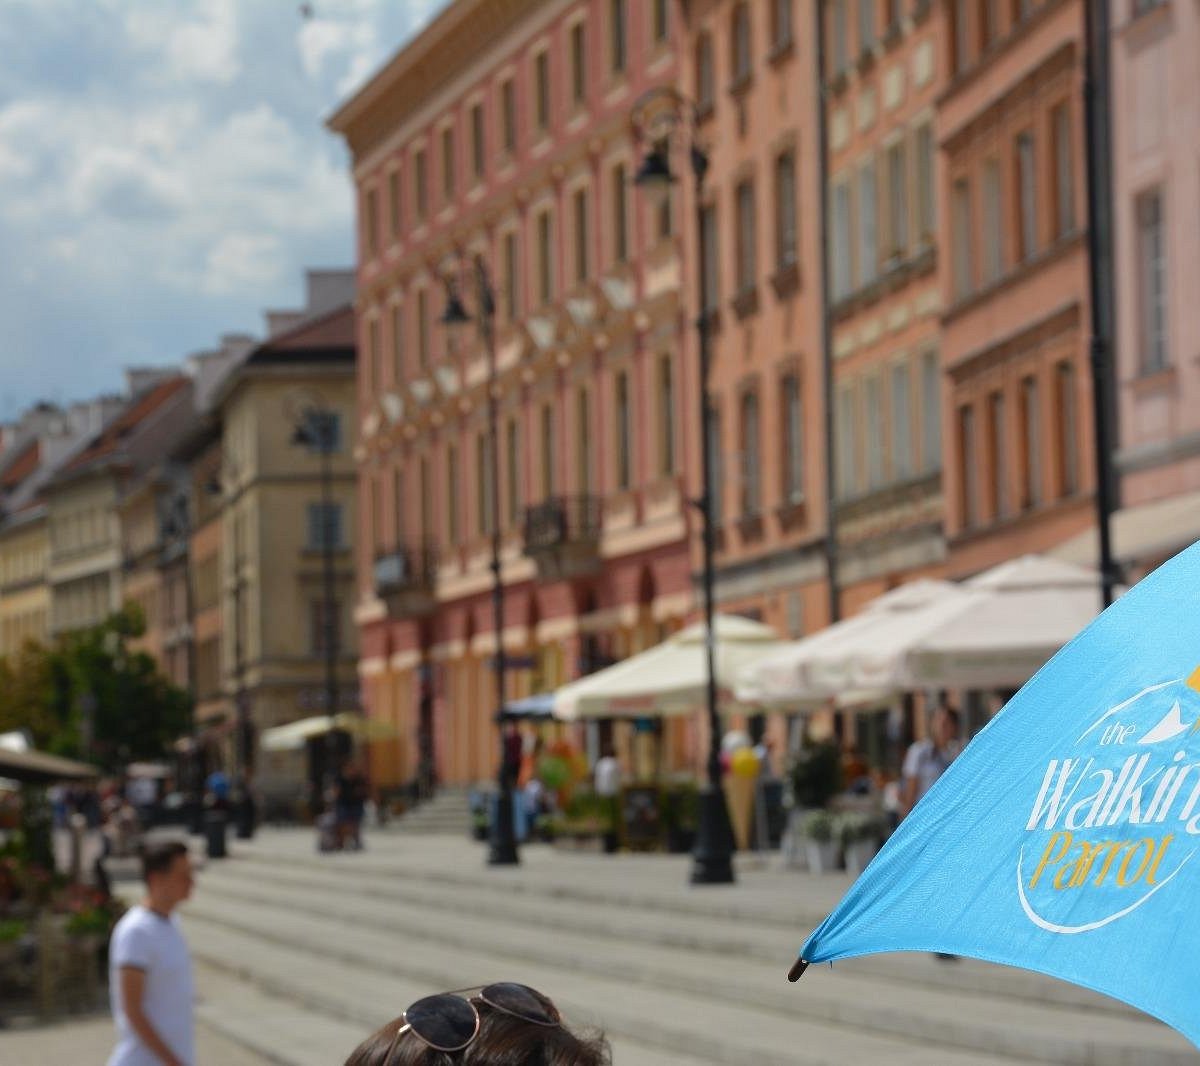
(240, 259)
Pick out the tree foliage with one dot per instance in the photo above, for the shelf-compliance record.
(92, 696)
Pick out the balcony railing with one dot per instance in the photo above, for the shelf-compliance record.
(406, 579)
(562, 535)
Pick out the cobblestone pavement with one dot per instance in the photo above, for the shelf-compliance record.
(304, 954)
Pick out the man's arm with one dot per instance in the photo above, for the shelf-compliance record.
(133, 987)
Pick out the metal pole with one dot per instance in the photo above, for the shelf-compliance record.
(831, 539)
(323, 432)
(1098, 124)
(503, 849)
(195, 786)
(712, 858)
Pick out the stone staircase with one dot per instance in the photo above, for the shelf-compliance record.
(447, 813)
(675, 975)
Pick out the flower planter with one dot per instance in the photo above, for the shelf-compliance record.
(859, 854)
(822, 856)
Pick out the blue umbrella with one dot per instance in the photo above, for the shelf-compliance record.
(1064, 839)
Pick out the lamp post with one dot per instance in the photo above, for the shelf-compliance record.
(503, 843)
(316, 429)
(675, 115)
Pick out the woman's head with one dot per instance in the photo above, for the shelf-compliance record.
(503, 1039)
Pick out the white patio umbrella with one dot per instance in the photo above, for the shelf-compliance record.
(1013, 619)
(294, 735)
(854, 661)
(670, 678)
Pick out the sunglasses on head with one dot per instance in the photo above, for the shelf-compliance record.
(450, 1022)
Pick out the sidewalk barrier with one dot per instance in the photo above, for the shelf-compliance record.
(215, 824)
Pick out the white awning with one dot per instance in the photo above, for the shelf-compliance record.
(294, 735)
(1145, 532)
(670, 678)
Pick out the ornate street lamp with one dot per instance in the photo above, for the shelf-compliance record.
(503, 843)
(668, 112)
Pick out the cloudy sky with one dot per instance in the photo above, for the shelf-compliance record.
(165, 173)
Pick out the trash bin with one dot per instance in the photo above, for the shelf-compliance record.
(215, 823)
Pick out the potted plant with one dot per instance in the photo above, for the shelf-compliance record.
(814, 778)
(820, 843)
(680, 815)
(860, 834)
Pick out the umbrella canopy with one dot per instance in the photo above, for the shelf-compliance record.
(294, 735)
(36, 767)
(1012, 619)
(670, 678)
(852, 661)
(1064, 839)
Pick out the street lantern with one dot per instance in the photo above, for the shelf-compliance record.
(654, 176)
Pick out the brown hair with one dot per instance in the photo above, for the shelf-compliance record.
(503, 1040)
(157, 858)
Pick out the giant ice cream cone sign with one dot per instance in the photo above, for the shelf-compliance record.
(739, 793)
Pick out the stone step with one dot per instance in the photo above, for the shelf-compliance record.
(1022, 1030)
(361, 977)
(702, 926)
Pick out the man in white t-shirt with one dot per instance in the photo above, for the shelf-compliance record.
(928, 759)
(150, 968)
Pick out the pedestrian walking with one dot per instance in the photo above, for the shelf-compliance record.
(926, 760)
(150, 968)
(498, 1023)
(606, 780)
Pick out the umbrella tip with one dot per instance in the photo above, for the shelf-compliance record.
(797, 970)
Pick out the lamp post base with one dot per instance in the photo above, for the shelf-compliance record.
(712, 857)
(502, 850)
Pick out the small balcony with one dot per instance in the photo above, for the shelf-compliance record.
(406, 580)
(562, 536)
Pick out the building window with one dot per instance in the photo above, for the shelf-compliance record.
(394, 204)
(617, 57)
(996, 437)
(793, 442)
(448, 164)
(841, 37)
(969, 459)
(926, 220)
(876, 465)
(426, 489)
(623, 432)
(513, 462)
(1026, 195)
(993, 260)
(483, 484)
(961, 208)
(661, 20)
(547, 451)
(324, 526)
(545, 262)
(989, 23)
(781, 24)
(453, 484)
(786, 230)
(541, 94)
(399, 505)
(620, 212)
(1152, 282)
(1064, 171)
(866, 25)
(962, 34)
(666, 417)
(1068, 428)
(397, 344)
(374, 355)
(423, 329)
(421, 184)
(323, 626)
(897, 206)
(1031, 444)
(840, 252)
(740, 60)
(371, 222)
(512, 279)
(710, 263)
(583, 443)
(716, 467)
(751, 458)
(582, 251)
(901, 423)
(847, 443)
(578, 63)
(324, 432)
(868, 225)
(478, 144)
(705, 74)
(746, 238)
(931, 412)
(508, 115)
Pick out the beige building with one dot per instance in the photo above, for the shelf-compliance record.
(274, 524)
